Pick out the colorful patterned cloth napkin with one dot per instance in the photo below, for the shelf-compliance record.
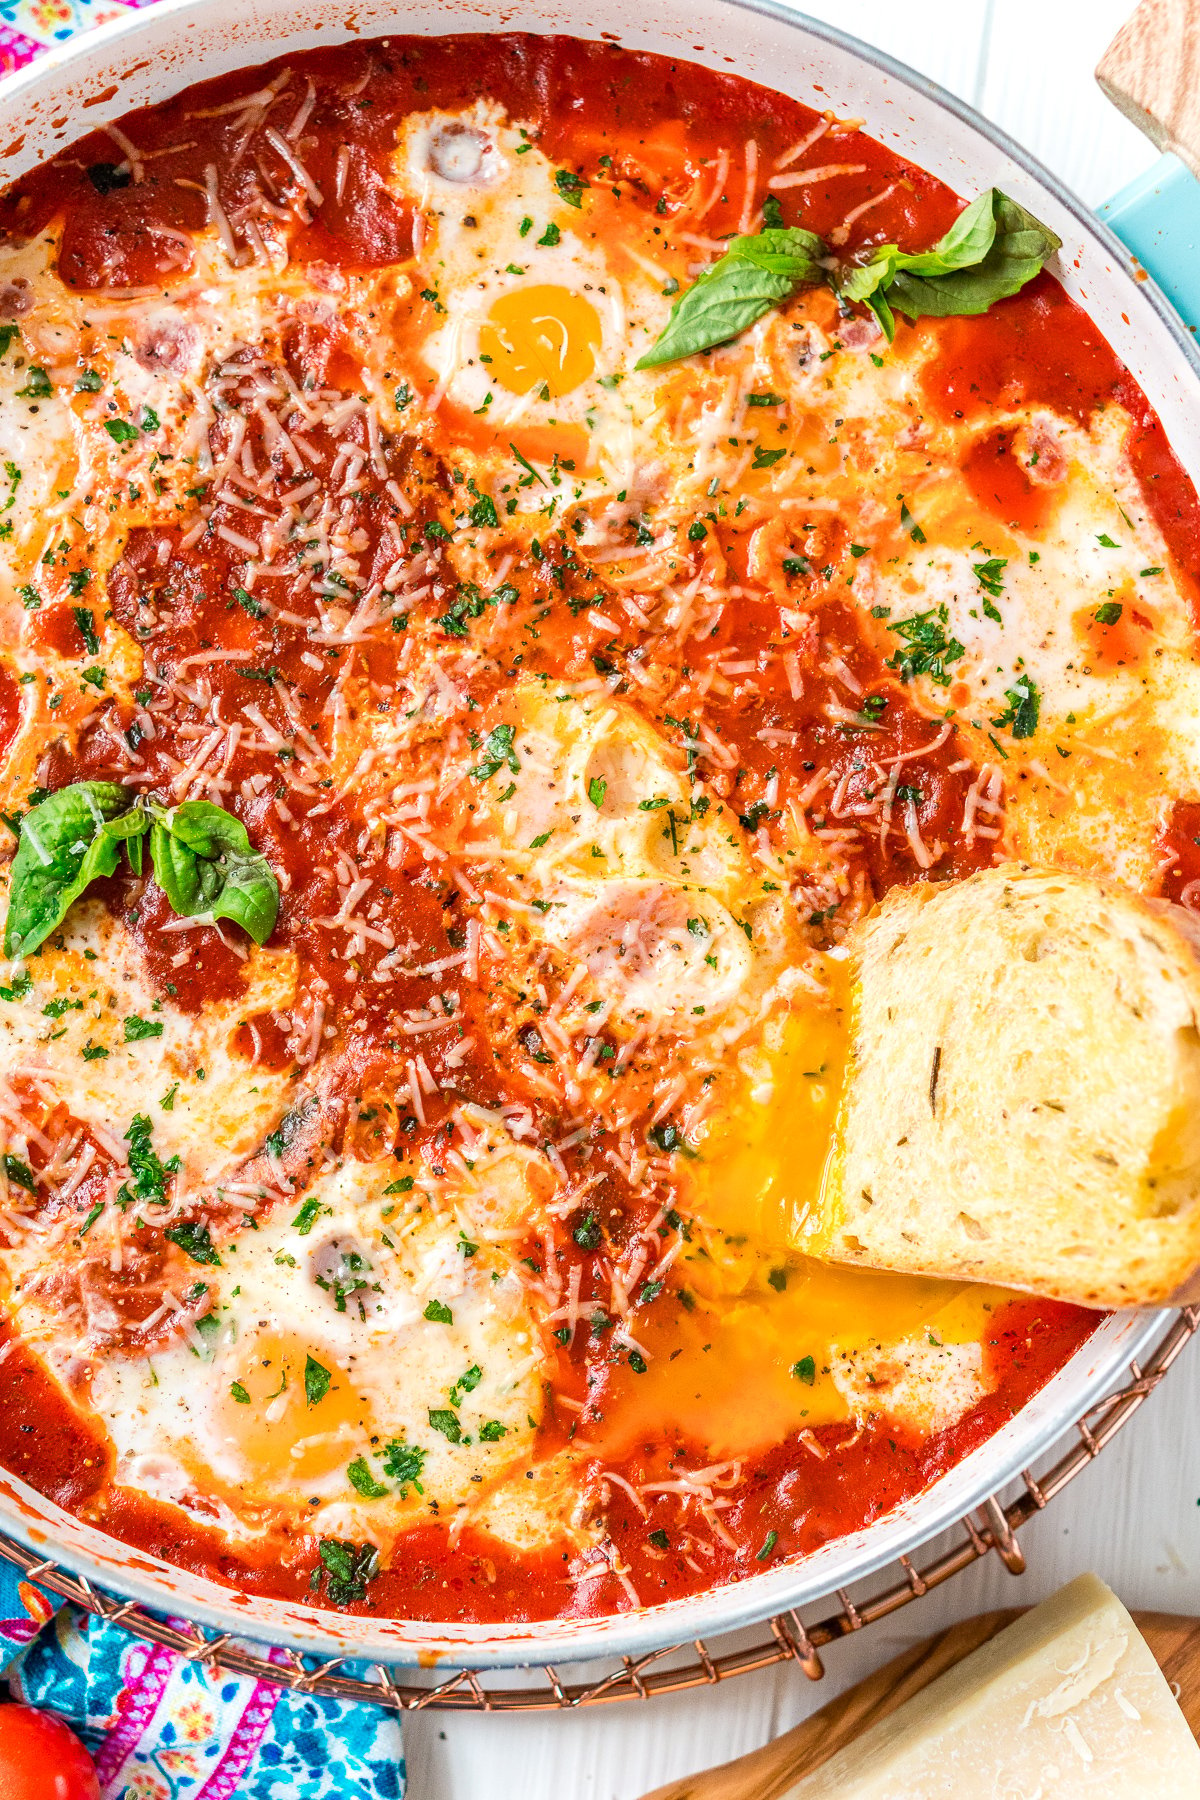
(161, 1728)
(27, 27)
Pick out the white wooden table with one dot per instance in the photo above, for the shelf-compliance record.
(1135, 1516)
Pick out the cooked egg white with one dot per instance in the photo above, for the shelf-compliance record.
(350, 1338)
(1117, 700)
(642, 880)
(536, 302)
(96, 995)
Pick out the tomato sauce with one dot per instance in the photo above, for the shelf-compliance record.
(1181, 852)
(1038, 348)
(650, 116)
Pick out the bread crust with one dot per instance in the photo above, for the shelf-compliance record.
(1022, 1101)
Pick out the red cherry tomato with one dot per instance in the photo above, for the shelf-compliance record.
(42, 1759)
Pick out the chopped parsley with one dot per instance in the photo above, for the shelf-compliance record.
(990, 575)
(445, 1421)
(498, 752)
(587, 1233)
(347, 1568)
(195, 1240)
(150, 1173)
(929, 649)
(91, 1218)
(310, 1211)
(909, 523)
(1024, 705)
(136, 1029)
(570, 187)
(20, 1173)
(249, 604)
(316, 1380)
(85, 620)
(37, 384)
(362, 1481)
(404, 1462)
(467, 1382)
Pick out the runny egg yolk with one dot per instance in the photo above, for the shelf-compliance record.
(749, 1361)
(541, 337)
(287, 1424)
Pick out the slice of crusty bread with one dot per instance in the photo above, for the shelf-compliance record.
(1022, 1103)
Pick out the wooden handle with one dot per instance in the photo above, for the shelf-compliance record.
(1151, 71)
(767, 1774)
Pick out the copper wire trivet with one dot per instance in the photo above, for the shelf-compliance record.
(995, 1528)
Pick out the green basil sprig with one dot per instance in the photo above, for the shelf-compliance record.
(207, 867)
(993, 248)
(755, 274)
(202, 857)
(66, 843)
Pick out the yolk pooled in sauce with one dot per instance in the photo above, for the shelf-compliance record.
(753, 1360)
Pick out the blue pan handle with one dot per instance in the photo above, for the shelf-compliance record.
(1157, 217)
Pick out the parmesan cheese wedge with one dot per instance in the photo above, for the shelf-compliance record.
(1067, 1704)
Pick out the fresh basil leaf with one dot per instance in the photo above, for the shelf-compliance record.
(992, 249)
(1020, 247)
(755, 274)
(207, 867)
(788, 250)
(966, 243)
(66, 842)
(135, 841)
(866, 283)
